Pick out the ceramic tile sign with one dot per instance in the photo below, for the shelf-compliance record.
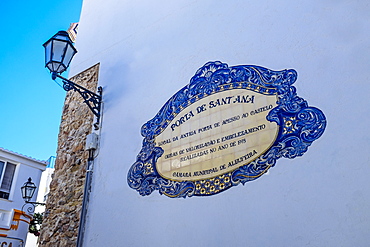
(228, 126)
(10, 242)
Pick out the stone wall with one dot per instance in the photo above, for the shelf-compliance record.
(63, 206)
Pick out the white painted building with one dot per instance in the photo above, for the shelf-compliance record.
(148, 50)
(43, 192)
(15, 169)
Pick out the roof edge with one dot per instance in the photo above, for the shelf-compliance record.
(23, 156)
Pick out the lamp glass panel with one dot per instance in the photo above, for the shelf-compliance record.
(51, 66)
(59, 67)
(48, 52)
(58, 50)
(24, 196)
(70, 52)
(29, 192)
(56, 67)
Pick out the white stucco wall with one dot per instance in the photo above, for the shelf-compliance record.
(148, 50)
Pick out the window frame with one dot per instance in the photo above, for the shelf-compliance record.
(2, 174)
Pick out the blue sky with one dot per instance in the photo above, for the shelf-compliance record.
(31, 102)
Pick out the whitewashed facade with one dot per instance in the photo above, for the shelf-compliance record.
(148, 50)
(43, 192)
(15, 169)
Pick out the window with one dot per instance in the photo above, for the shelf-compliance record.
(7, 170)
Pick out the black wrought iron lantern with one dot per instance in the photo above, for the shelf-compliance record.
(59, 51)
(28, 189)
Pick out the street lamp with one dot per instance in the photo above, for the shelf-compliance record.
(59, 51)
(28, 189)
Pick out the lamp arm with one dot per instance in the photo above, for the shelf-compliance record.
(36, 203)
(92, 99)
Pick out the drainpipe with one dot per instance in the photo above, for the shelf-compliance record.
(91, 146)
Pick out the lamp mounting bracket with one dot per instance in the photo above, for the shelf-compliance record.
(91, 99)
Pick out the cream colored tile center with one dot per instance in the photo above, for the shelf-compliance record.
(216, 135)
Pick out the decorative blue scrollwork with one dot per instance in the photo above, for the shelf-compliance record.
(299, 123)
